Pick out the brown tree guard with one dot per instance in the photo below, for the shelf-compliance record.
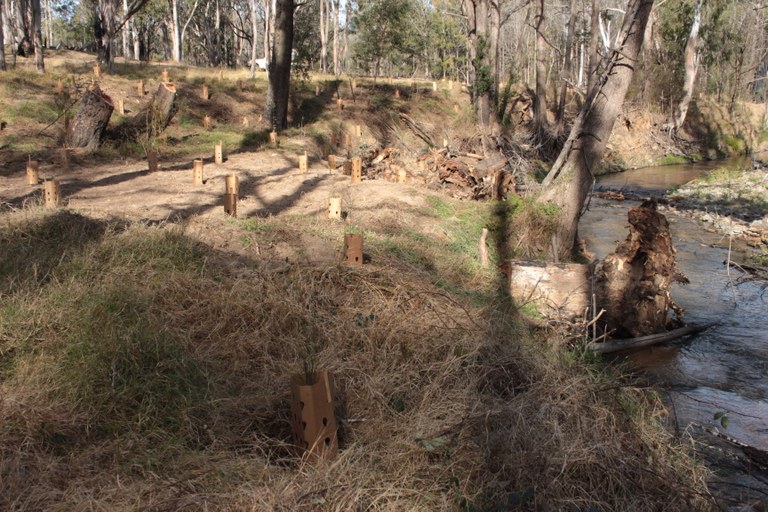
(334, 208)
(303, 163)
(353, 248)
(354, 84)
(204, 93)
(273, 138)
(340, 104)
(397, 93)
(140, 88)
(152, 161)
(197, 172)
(317, 90)
(358, 131)
(165, 76)
(52, 194)
(91, 119)
(121, 106)
(313, 419)
(231, 184)
(347, 140)
(33, 172)
(357, 169)
(331, 163)
(402, 176)
(221, 74)
(218, 154)
(207, 122)
(434, 86)
(59, 86)
(97, 71)
(246, 123)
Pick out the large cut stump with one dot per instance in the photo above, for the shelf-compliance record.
(91, 119)
(634, 281)
(160, 110)
(153, 118)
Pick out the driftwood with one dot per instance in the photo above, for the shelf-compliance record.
(91, 119)
(607, 347)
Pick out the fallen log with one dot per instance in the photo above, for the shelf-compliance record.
(91, 119)
(607, 347)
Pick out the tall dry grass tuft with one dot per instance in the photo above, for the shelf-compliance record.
(149, 372)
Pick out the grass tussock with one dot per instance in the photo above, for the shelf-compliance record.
(142, 370)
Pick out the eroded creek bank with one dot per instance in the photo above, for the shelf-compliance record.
(720, 372)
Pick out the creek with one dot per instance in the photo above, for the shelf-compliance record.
(722, 370)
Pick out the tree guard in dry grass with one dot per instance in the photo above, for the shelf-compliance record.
(634, 281)
(91, 119)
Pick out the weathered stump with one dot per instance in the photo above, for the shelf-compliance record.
(152, 119)
(91, 119)
(634, 282)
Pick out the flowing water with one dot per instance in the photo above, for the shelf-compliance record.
(722, 370)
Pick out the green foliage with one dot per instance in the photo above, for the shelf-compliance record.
(387, 30)
(483, 77)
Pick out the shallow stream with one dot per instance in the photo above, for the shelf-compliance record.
(722, 370)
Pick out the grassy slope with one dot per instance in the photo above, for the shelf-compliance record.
(142, 369)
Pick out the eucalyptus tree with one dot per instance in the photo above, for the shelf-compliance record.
(108, 21)
(2, 40)
(567, 184)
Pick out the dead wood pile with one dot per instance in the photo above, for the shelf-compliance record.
(463, 175)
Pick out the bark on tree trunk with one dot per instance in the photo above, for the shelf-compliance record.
(91, 119)
(38, 36)
(567, 66)
(594, 49)
(691, 68)
(540, 99)
(2, 42)
(255, 30)
(175, 32)
(568, 182)
(323, 37)
(633, 283)
(280, 66)
(483, 41)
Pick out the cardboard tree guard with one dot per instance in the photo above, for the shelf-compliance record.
(313, 420)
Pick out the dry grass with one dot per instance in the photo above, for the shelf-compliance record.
(141, 370)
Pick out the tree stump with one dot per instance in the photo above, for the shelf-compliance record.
(91, 119)
(152, 119)
(633, 283)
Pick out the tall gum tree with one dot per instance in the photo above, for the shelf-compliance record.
(280, 66)
(568, 183)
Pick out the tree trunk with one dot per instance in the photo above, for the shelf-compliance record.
(568, 182)
(175, 32)
(323, 36)
(540, 99)
(633, 283)
(280, 66)
(91, 119)
(691, 68)
(480, 49)
(255, 30)
(2, 41)
(560, 114)
(594, 48)
(38, 36)
(335, 20)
